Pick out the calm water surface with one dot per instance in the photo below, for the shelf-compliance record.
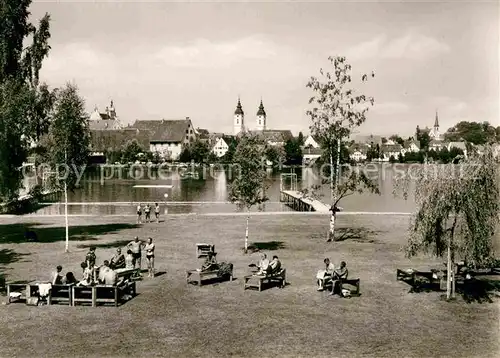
(117, 195)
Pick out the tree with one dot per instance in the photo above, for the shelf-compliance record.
(336, 110)
(20, 63)
(185, 156)
(131, 150)
(69, 138)
(200, 152)
(423, 138)
(384, 140)
(232, 144)
(293, 152)
(249, 187)
(397, 139)
(301, 139)
(14, 102)
(457, 210)
(275, 154)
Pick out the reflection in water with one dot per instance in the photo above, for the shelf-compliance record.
(208, 195)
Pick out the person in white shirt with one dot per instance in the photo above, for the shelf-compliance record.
(263, 264)
(325, 275)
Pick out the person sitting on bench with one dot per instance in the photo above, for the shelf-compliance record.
(263, 265)
(87, 275)
(57, 277)
(69, 279)
(338, 276)
(210, 262)
(274, 266)
(325, 275)
(129, 260)
(118, 260)
(103, 271)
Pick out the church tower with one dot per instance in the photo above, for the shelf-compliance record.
(261, 118)
(435, 130)
(239, 119)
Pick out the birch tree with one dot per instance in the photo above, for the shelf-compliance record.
(249, 186)
(457, 211)
(337, 109)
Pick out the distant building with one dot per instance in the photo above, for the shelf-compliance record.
(436, 145)
(359, 152)
(391, 151)
(311, 142)
(220, 148)
(107, 120)
(202, 135)
(239, 119)
(434, 133)
(104, 141)
(167, 137)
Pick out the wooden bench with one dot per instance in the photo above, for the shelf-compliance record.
(102, 294)
(61, 294)
(257, 281)
(200, 276)
(17, 287)
(202, 250)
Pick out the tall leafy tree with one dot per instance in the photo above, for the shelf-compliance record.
(249, 186)
(69, 133)
(22, 50)
(301, 138)
(457, 210)
(200, 151)
(337, 109)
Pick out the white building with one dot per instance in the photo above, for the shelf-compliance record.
(458, 145)
(220, 148)
(104, 121)
(168, 137)
(311, 142)
(434, 133)
(239, 119)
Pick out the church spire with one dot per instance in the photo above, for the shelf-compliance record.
(261, 111)
(239, 109)
(436, 122)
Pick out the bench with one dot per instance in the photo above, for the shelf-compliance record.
(16, 287)
(61, 294)
(102, 294)
(257, 281)
(200, 276)
(202, 250)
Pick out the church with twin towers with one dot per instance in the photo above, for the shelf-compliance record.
(271, 136)
(239, 125)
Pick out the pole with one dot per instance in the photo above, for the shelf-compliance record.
(66, 214)
(66, 203)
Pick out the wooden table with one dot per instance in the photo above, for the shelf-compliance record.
(256, 281)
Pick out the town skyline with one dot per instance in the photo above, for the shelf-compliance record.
(423, 61)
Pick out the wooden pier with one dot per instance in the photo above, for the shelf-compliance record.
(298, 202)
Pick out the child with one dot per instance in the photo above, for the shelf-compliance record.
(139, 213)
(147, 211)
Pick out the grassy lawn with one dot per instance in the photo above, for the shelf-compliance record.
(171, 318)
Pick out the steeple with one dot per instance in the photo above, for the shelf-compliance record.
(436, 122)
(239, 119)
(261, 117)
(261, 111)
(239, 109)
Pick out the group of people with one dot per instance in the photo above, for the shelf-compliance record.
(147, 213)
(107, 272)
(266, 267)
(331, 275)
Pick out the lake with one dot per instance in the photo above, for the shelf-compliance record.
(111, 192)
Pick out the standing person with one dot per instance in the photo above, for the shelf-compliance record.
(150, 257)
(147, 212)
(334, 209)
(157, 212)
(136, 248)
(139, 213)
(91, 259)
(129, 260)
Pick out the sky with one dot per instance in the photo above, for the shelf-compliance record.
(193, 59)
